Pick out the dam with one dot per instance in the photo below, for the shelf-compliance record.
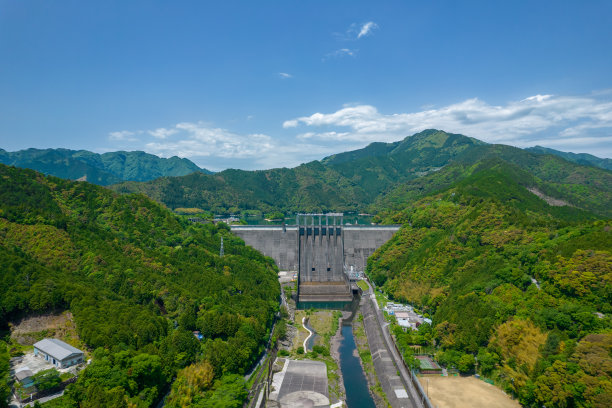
(324, 252)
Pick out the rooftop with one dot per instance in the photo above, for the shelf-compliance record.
(23, 374)
(57, 348)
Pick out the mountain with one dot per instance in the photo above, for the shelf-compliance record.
(137, 280)
(345, 182)
(356, 181)
(522, 283)
(585, 187)
(581, 158)
(103, 169)
(430, 148)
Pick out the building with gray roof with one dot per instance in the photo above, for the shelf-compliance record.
(58, 353)
(24, 376)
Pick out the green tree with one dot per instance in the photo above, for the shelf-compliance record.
(555, 386)
(5, 391)
(281, 329)
(466, 363)
(229, 392)
(46, 379)
(410, 360)
(487, 361)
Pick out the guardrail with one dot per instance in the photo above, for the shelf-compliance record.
(424, 399)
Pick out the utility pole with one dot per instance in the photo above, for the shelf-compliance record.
(221, 250)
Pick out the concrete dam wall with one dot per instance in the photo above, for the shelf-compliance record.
(281, 243)
(325, 254)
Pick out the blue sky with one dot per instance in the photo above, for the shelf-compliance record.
(268, 84)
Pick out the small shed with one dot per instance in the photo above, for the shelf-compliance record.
(24, 376)
(58, 353)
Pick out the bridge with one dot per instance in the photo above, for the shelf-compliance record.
(324, 252)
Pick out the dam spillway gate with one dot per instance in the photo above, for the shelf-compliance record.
(323, 252)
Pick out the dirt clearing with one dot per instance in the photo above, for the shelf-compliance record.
(32, 329)
(460, 392)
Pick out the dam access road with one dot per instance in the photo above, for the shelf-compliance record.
(400, 390)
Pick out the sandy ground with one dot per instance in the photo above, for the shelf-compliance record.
(460, 392)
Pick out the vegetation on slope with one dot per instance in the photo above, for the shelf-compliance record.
(344, 182)
(5, 390)
(354, 181)
(137, 279)
(103, 169)
(580, 158)
(523, 286)
(580, 186)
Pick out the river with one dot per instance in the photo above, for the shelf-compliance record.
(355, 383)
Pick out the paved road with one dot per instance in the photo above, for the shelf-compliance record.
(387, 361)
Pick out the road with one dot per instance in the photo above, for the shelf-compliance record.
(413, 399)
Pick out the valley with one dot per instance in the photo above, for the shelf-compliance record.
(305, 204)
(475, 226)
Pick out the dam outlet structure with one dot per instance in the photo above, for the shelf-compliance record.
(325, 254)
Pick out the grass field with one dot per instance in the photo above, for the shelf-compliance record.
(459, 392)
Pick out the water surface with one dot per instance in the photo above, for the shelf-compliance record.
(355, 384)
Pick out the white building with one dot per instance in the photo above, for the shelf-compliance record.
(58, 353)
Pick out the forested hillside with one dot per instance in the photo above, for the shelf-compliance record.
(523, 286)
(552, 177)
(367, 179)
(345, 182)
(580, 158)
(103, 169)
(510, 253)
(137, 280)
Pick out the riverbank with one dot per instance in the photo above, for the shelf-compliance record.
(326, 328)
(365, 358)
(334, 351)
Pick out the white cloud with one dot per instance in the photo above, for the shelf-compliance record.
(342, 52)
(122, 136)
(199, 139)
(353, 33)
(323, 135)
(357, 31)
(519, 123)
(569, 123)
(293, 154)
(217, 148)
(162, 133)
(291, 123)
(285, 75)
(366, 29)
